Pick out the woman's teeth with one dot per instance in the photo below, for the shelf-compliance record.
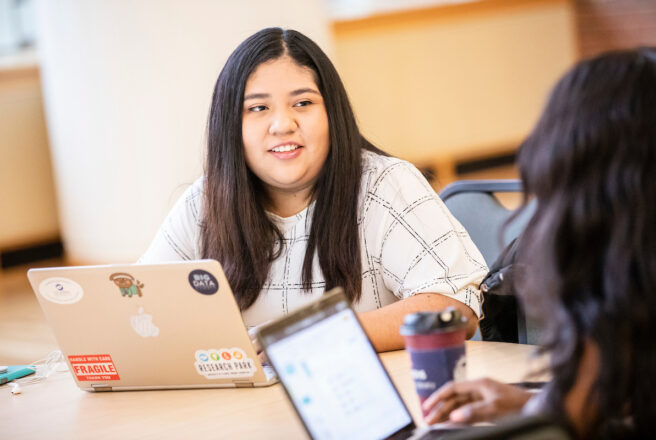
(284, 148)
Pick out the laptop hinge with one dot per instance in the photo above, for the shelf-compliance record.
(101, 387)
(243, 384)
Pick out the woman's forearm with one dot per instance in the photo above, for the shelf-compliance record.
(382, 325)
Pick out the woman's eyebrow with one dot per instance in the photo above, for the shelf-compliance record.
(304, 90)
(257, 96)
(293, 93)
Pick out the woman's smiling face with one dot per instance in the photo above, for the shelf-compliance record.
(285, 127)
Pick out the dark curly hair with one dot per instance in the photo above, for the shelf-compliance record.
(589, 253)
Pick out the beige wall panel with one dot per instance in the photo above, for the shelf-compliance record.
(455, 81)
(28, 211)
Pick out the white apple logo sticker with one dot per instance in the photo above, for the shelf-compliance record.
(143, 324)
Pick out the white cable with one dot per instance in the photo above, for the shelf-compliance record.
(43, 368)
(15, 388)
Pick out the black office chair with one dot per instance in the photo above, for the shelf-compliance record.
(475, 205)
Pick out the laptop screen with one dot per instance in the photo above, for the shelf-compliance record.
(334, 377)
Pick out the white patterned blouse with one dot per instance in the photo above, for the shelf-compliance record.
(409, 241)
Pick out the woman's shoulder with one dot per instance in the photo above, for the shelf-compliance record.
(190, 204)
(374, 162)
(193, 194)
(197, 186)
(380, 171)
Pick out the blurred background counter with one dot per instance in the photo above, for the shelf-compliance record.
(453, 86)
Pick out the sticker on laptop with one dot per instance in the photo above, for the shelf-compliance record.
(93, 367)
(224, 363)
(61, 290)
(142, 323)
(127, 284)
(203, 282)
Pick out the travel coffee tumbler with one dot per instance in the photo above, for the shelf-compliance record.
(436, 344)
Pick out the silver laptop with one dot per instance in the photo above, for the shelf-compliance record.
(334, 377)
(144, 327)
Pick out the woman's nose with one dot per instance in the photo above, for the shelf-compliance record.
(283, 122)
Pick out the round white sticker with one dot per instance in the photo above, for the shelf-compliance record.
(61, 290)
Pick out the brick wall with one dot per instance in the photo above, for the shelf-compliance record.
(614, 24)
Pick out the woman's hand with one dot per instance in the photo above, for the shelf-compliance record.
(474, 401)
(252, 333)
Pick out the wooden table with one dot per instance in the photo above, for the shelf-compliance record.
(57, 409)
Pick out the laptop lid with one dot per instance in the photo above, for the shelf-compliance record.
(158, 326)
(332, 373)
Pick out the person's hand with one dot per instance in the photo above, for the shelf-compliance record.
(473, 401)
(252, 333)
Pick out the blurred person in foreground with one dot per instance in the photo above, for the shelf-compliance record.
(587, 259)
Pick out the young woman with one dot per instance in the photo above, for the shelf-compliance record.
(295, 201)
(588, 255)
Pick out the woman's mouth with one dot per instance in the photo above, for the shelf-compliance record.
(286, 151)
(284, 148)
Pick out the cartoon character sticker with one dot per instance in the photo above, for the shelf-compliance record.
(142, 323)
(127, 284)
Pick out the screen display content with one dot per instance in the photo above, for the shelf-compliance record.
(336, 381)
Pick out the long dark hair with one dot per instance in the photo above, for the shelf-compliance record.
(236, 229)
(589, 252)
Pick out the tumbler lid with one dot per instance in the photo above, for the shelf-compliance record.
(433, 322)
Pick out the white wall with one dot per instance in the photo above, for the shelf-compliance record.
(127, 88)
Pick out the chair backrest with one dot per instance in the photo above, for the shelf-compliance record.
(475, 205)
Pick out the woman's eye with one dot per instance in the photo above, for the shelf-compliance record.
(303, 103)
(257, 108)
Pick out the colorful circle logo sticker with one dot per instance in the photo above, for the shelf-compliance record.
(61, 290)
(203, 282)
